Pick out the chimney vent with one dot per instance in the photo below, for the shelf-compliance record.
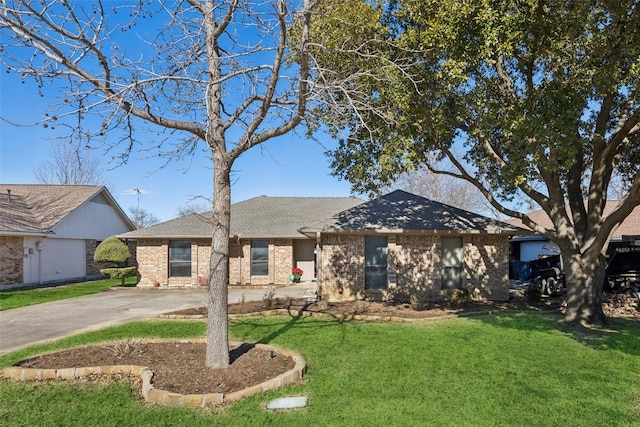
(9, 194)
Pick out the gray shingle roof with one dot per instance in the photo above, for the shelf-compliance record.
(260, 217)
(36, 209)
(401, 212)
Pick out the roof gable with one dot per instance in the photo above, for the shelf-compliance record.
(400, 211)
(37, 209)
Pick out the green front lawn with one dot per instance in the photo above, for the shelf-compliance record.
(22, 298)
(510, 369)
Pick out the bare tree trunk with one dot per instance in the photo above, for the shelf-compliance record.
(217, 328)
(585, 277)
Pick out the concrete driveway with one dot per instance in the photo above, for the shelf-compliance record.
(21, 327)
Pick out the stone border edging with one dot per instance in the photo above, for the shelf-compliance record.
(303, 313)
(164, 397)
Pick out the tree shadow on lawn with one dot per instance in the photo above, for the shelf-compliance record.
(619, 334)
(251, 327)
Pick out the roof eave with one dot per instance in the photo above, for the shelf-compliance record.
(25, 233)
(310, 232)
(173, 237)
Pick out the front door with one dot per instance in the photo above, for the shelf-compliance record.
(375, 258)
(304, 258)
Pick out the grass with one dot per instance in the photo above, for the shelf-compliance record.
(22, 298)
(494, 370)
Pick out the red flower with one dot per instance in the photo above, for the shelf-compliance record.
(297, 271)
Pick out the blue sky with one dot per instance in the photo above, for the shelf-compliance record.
(289, 166)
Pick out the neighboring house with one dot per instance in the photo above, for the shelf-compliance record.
(264, 245)
(535, 246)
(48, 233)
(405, 243)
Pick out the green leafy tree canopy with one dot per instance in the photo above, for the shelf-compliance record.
(541, 97)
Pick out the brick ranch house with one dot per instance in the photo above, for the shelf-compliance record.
(49, 233)
(264, 245)
(403, 243)
(363, 248)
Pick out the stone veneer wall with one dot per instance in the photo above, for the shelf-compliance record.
(11, 260)
(414, 261)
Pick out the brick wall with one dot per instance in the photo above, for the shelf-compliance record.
(239, 262)
(11, 260)
(200, 259)
(414, 263)
(153, 263)
(415, 260)
(486, 264)
(93, 268)
(341, 267)
(280, 263)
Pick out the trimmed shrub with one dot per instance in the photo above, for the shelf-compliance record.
(118, 272)
(113, 251)
(460, 296)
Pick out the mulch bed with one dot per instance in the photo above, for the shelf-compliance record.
(376, 308)
(179, 366)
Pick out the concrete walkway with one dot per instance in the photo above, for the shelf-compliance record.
(21, 327)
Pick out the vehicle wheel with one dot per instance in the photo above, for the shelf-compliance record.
(540, 284)
(551, 286)
(633, 293)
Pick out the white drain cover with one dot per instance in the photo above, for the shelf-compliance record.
(288, 403)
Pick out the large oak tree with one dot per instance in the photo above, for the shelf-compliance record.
(542, 96)
(197, 73)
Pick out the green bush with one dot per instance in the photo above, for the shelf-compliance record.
(268, 296)
(118, 272)
(460, 296)
(419, 298)
(112, 250)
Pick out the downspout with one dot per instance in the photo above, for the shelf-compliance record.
(318, 265)
(39, 249)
